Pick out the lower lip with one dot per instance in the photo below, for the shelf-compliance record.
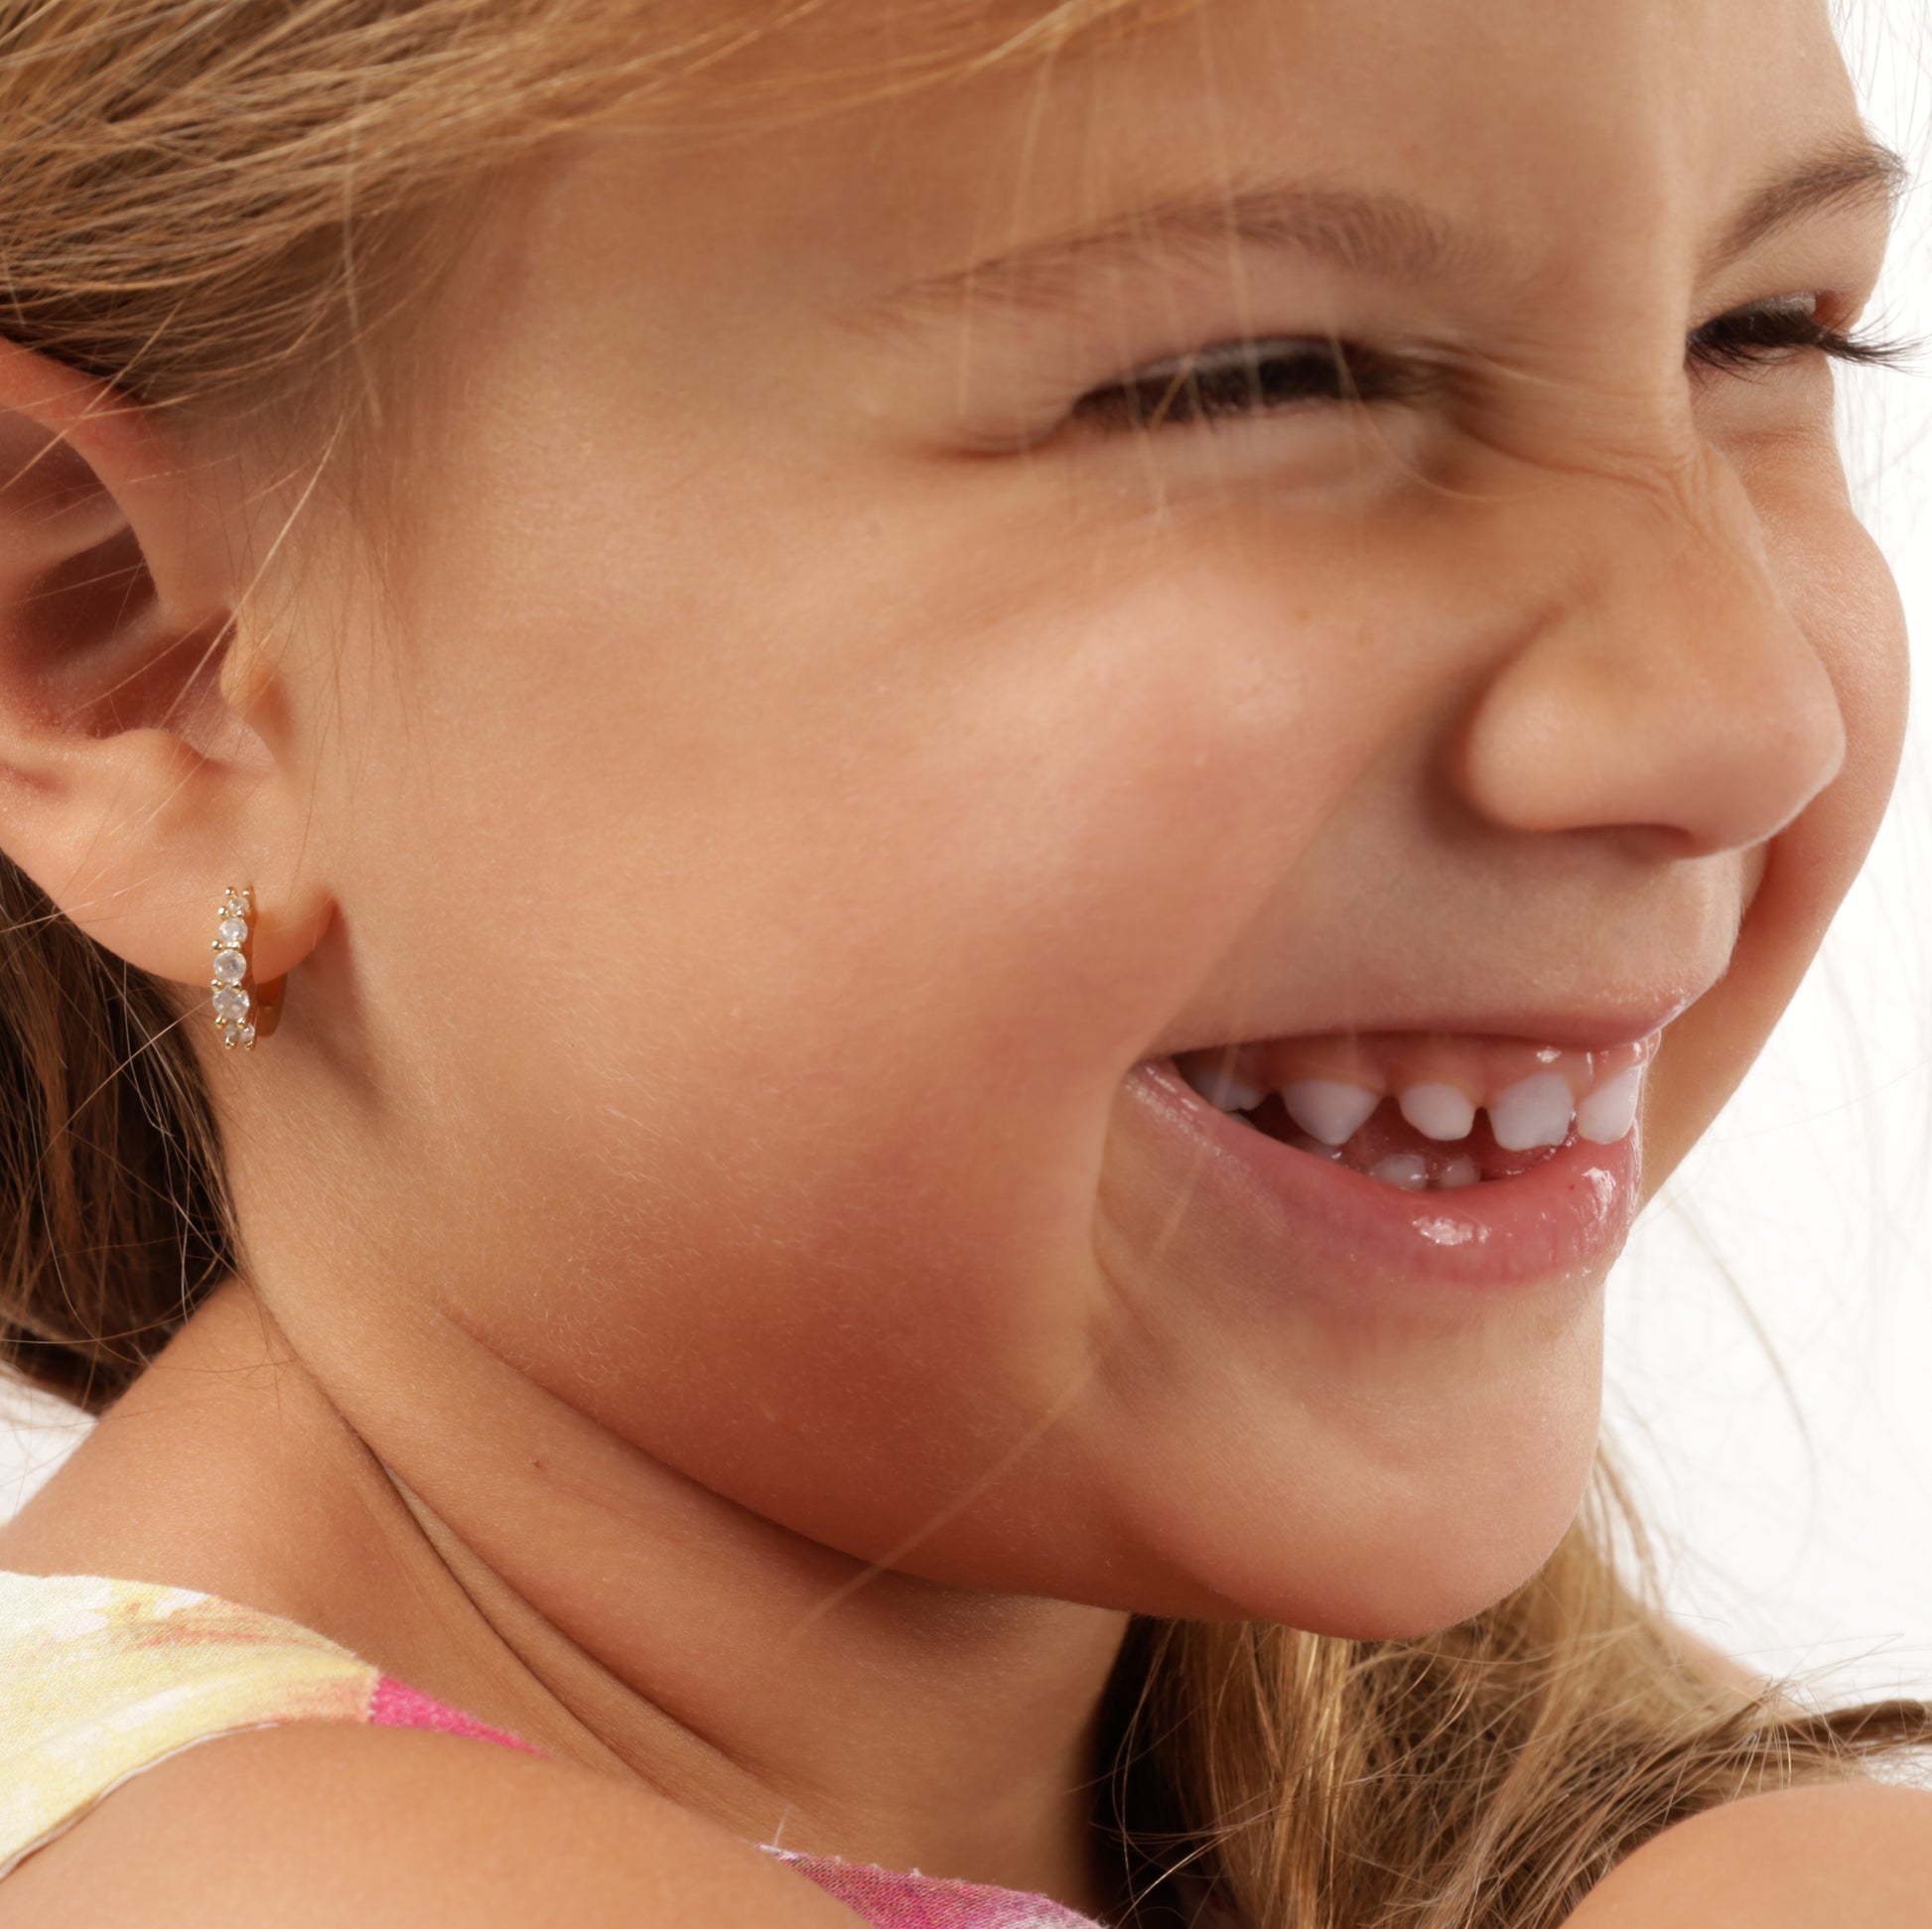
(1562, 1219)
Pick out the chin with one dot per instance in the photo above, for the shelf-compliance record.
(1402, 1598)
(1388, 1567)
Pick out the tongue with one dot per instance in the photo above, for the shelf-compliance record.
(1387, 1133)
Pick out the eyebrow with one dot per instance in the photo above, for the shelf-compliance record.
(1856, 171)
(1368, 232)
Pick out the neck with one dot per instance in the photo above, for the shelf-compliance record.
(495, 1547)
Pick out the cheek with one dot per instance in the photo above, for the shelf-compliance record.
(866, 985)
(827, 961)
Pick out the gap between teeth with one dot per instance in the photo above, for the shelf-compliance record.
(1535, 1112)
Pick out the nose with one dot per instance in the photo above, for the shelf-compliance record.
(1669, 686)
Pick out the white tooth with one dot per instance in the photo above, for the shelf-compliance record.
(1535, 1111)
(1314, 1146)
(1220, 1088)
(1330, 1109)
(1439, 1111)
(1458, 1175)
(1237, 1095)
(1610, 1112)
(1408, 1170)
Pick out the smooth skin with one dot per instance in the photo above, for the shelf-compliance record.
(795, 767)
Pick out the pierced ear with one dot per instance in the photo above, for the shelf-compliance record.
(133, 789)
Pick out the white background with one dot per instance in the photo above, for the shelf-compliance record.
(1770, 1372)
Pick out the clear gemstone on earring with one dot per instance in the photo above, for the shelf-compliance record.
(233, 1004)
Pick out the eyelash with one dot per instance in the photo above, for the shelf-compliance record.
(1241, 381)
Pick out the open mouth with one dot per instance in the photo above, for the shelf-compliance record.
(1425, 1112)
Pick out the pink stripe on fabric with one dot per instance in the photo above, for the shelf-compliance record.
(397, 1705)
(891, 1898)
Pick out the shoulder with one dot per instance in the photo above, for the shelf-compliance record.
(327, 1823)
(1854, 1851)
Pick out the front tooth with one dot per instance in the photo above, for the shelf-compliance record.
(1439, 1111)
(1459, 1174)
(1408, 1170)
(1221, 1087)
(1330, 1109)
(1535, 1111)
(1610, 1112)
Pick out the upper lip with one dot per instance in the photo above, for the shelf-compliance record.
(1573, 1029)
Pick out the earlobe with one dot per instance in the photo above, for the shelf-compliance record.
(132, 788)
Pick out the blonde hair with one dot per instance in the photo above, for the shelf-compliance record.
(210, 201)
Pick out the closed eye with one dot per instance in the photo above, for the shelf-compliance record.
(1772, 331)
(1267, 377)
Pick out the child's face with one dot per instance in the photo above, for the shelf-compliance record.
(843, 774)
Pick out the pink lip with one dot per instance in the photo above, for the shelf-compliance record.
(1361, 1242)
(1570, 1031)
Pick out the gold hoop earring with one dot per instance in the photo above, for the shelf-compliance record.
(243, 1012)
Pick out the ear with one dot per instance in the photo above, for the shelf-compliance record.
(142, 771)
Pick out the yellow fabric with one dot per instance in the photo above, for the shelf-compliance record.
(100, 1679)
